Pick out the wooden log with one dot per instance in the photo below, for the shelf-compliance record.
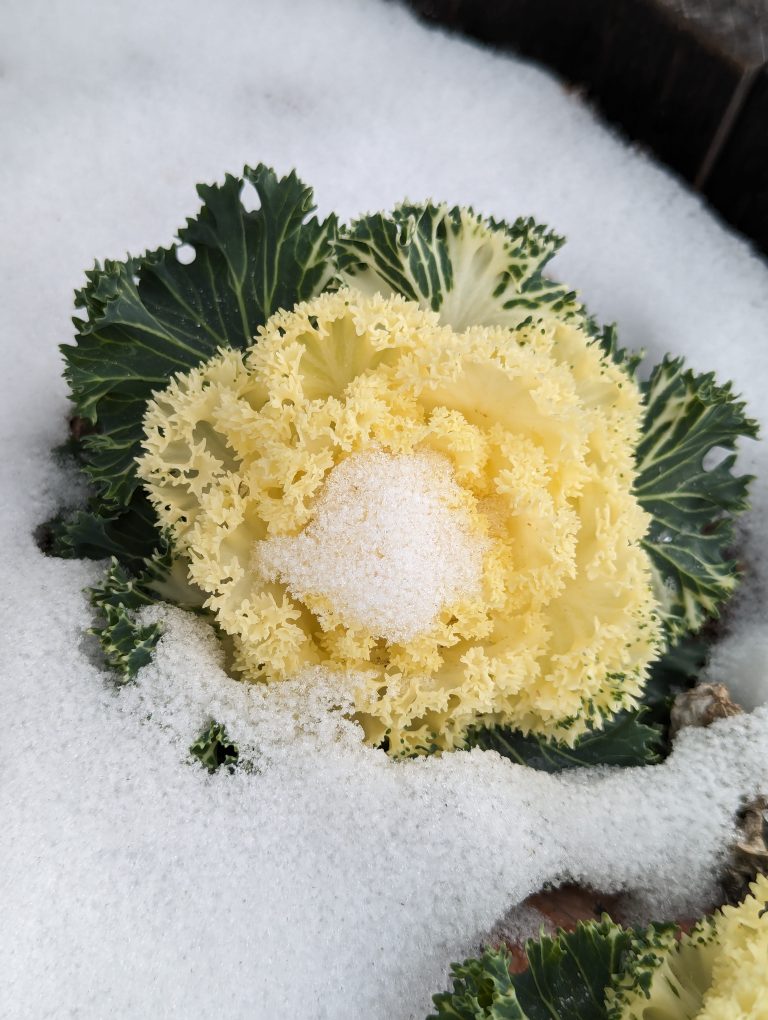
(686, 78)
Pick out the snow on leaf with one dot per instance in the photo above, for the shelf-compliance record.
(126, 644)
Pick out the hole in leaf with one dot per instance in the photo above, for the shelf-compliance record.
(185, 254)
(714, 457)
(249, 197)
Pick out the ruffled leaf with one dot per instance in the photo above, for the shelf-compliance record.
(483, 989)
(473, 271)
(131, 533)
(664, 976)
(213, 748)
(149, 317)
(692, 506)
(566, 977)
(608, 338)
(126, 644)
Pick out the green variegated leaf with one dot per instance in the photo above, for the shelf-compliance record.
(473, 271)
(149, 317)
(691, 505)
(567, 975)
(665, 976)
(126, 644)
(146, 319)
(631, 738)
(213, 748)
(482, 990)
(566, 979)
(608, 338)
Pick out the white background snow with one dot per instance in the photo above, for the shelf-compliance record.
(331, 883)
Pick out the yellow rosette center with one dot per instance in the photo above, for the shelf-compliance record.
(445, 517)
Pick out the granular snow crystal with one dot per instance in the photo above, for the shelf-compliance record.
(390, 545)
(324, 880)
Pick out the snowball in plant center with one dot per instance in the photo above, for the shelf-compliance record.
(241, 449)
(391, 544)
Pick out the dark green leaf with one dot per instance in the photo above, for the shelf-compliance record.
(150, 317)
(608, 338)
(473, 271)
(676, 670)
(567, 975)
(691, 506)
(482, 990)
(656, 980)
(130, 534)
(127, 645)
(566, 979)
(624, 740)
(213, 748)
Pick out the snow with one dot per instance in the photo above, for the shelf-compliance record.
(389, 545)
(740, 659)
(325, 881)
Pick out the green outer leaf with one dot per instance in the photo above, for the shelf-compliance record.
(483, 989)
(148, 318)
(624, 740)
(676, 670)
(473, 271)
(567, 975)
(566, 979)
(662, 967)
(127, 646)
(608, 338)
(692, 508)
(213, 748)
(630, 738)
(130, 534)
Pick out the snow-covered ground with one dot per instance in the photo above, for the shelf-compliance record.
(332, 883)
